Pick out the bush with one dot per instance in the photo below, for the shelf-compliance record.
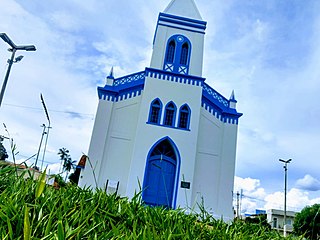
(307, 222)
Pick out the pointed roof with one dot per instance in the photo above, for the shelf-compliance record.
(111, 76)
(183, 8)
(232, 98)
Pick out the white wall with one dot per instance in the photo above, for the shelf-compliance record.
(112, 143)
(97, 144)
(147, 134)
(215, 163)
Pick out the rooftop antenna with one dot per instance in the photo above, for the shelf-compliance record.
(47, 115)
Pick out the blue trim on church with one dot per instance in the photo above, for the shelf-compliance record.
(123, 88)
(182, 23)
(132, 85)
(218, 105)
(174, 77)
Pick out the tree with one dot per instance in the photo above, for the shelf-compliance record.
(3, 152)
(67, 163)
(308, 222)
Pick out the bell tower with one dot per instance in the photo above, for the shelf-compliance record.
(180, 29)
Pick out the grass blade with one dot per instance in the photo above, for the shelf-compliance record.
(41, 184)
(26, 229)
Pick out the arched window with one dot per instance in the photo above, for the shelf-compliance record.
(178, 53)
(170, 114)
(184, 54)
(170, 51)
(184, 117)
(155, 111)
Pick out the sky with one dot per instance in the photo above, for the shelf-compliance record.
(268, 52)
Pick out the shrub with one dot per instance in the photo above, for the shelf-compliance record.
(307, 222)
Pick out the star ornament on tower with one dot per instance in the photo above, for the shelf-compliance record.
(13, 48)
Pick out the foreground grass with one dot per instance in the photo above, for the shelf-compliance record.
(32, 210)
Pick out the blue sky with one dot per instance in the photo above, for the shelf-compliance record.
(267, 51)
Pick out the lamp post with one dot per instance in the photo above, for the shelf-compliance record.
(13, 49)
(285, 194)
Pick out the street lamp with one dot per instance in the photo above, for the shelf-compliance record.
(285, 195)
(13, 49)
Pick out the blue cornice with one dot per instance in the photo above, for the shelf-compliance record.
(174, 77)
(125, 87)
(188, 22)
(181, 23)
(218, 105)
(132, 85)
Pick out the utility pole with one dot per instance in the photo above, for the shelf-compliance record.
(47, 115)
(285, 195)
(238, 206)
(43, 133)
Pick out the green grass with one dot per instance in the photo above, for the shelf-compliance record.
(33, 210)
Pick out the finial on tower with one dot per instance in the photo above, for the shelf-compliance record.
(111, 73)
(232, 101)
(110, 78)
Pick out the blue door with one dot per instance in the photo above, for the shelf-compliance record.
(160, 175)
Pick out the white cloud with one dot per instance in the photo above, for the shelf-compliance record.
(296, 200)
(246, 184)
(254, 197)
(65, 21)
(308, 183)
(54, 168)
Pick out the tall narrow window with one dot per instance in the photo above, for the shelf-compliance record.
(184, 117)
(171, 50)
(155, 111)
(184, 54)
(169, 116)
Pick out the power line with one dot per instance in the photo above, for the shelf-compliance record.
(32, 158)
(57, 111)
(294, 208)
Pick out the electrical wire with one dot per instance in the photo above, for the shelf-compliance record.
(88, 115)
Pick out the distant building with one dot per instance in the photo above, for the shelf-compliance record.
(276, 219)
(164, 129)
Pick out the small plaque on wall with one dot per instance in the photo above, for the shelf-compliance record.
(185, 184)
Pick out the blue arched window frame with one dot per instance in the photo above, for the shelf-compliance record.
(170, 114)
(178, 61)
(184, 117)
(155, 111)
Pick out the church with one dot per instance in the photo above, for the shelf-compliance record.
(164, 131)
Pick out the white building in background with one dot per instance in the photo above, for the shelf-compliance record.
(275, 218)
(164, 129)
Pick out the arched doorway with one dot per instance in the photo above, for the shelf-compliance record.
(160, 174)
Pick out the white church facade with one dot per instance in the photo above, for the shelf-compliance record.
(164, 130)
